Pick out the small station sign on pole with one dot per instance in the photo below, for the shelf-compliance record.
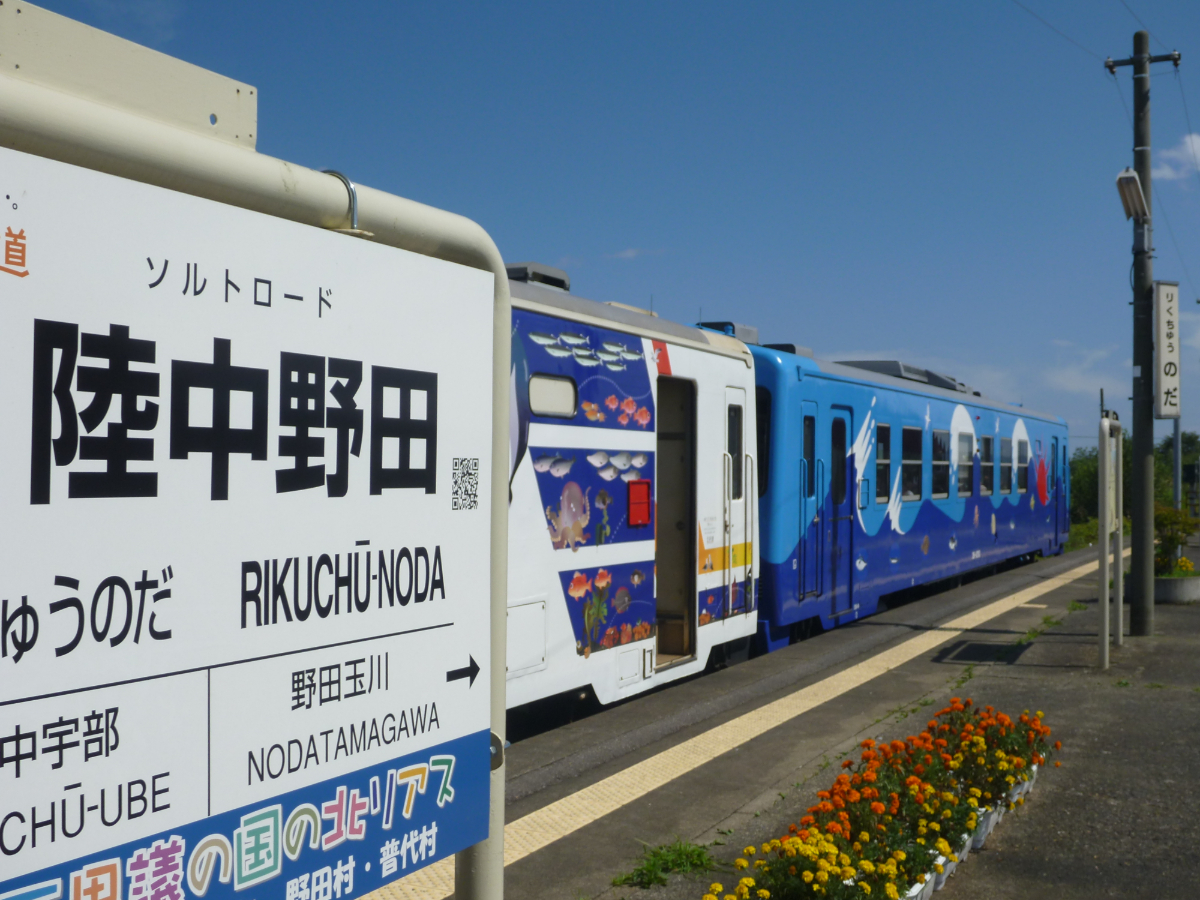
(1110, 522)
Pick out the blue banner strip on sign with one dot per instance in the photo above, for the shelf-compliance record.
(335, 840)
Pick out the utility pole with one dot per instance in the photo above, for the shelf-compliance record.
(1142, 505)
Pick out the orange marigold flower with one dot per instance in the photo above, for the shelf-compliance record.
(1058, 745)
(877, 808)
(847, 763)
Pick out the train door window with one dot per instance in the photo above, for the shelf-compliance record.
(912, 452)
(1053, 459)
(940, 487)
(987, 465)
(837, 460)
(966, 464)
(810, 455)
(883, 462)
(762, 421)
(735, 451)
(1022, 466)
(551, 395)
(1006, 465)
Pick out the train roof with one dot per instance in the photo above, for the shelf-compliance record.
(911, 379)
(536, 287)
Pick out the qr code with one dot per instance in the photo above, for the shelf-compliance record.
(466, 483)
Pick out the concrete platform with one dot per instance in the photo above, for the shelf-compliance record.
(1118, 819)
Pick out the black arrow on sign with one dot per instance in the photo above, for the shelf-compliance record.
(465, 672)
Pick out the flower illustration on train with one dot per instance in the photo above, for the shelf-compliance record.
(603, 499)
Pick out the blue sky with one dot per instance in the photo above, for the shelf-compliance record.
(929, 181)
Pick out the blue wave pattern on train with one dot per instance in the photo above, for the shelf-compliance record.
(834, 541)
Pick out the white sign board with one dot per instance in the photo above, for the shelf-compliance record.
(244, 575)
(1166, 350)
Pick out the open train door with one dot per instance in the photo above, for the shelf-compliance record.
(840, 526)
(675, 542)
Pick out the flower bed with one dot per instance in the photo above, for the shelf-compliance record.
(899, 820)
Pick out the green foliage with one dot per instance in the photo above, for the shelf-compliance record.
(1085, 469)
(1172, 528)
(1087, 533)
(657, 862)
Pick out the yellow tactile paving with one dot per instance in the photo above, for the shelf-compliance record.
(531, 833)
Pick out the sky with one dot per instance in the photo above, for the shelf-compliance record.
(924, 181)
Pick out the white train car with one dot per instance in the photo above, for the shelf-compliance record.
(633, 532)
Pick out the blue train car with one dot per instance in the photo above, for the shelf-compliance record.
(876, 476)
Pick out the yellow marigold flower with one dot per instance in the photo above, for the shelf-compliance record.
(763, 894)
(1020, 801)
(935, 826)
(807, 876)
(890, 890)
(742, 892)
(953, 857)
(716, 888)
(844, 859)
(760, 863)
(740, 863)
(848, 873)
(823, 877)
(899, 855)
(866, 887)
(922, 830)
(856, 847)
(921, 841)
(939, 868)
(864, 837)
(729, 897)
(746, 882)
(709, 897)
(867, 866)
(822, 865)
(1040, 714)
(921, 878)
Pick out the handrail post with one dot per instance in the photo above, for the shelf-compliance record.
(1119, 555)
(1103, 529)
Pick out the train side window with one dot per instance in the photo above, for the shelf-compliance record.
(1052, 466)
(550, 395)
(837, 461)
(1006, 465)
(810, 454)
(883, 462)
(987, 465)
(940, 487)
(966, 465)
(762, 421)
(912, 450)
(1022, 466)
(735, 451)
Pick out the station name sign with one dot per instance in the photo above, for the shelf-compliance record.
(1166, 350)
(246, 556)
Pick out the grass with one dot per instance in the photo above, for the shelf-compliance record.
(1124, 682)
(1076, 606)
(967, 675)
(658, 862)
(1038, 631)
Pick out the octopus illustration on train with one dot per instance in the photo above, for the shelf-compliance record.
(682, 496)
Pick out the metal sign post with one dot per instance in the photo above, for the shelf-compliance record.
(1110, 520)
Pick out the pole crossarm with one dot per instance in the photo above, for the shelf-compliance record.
(1112, 64)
